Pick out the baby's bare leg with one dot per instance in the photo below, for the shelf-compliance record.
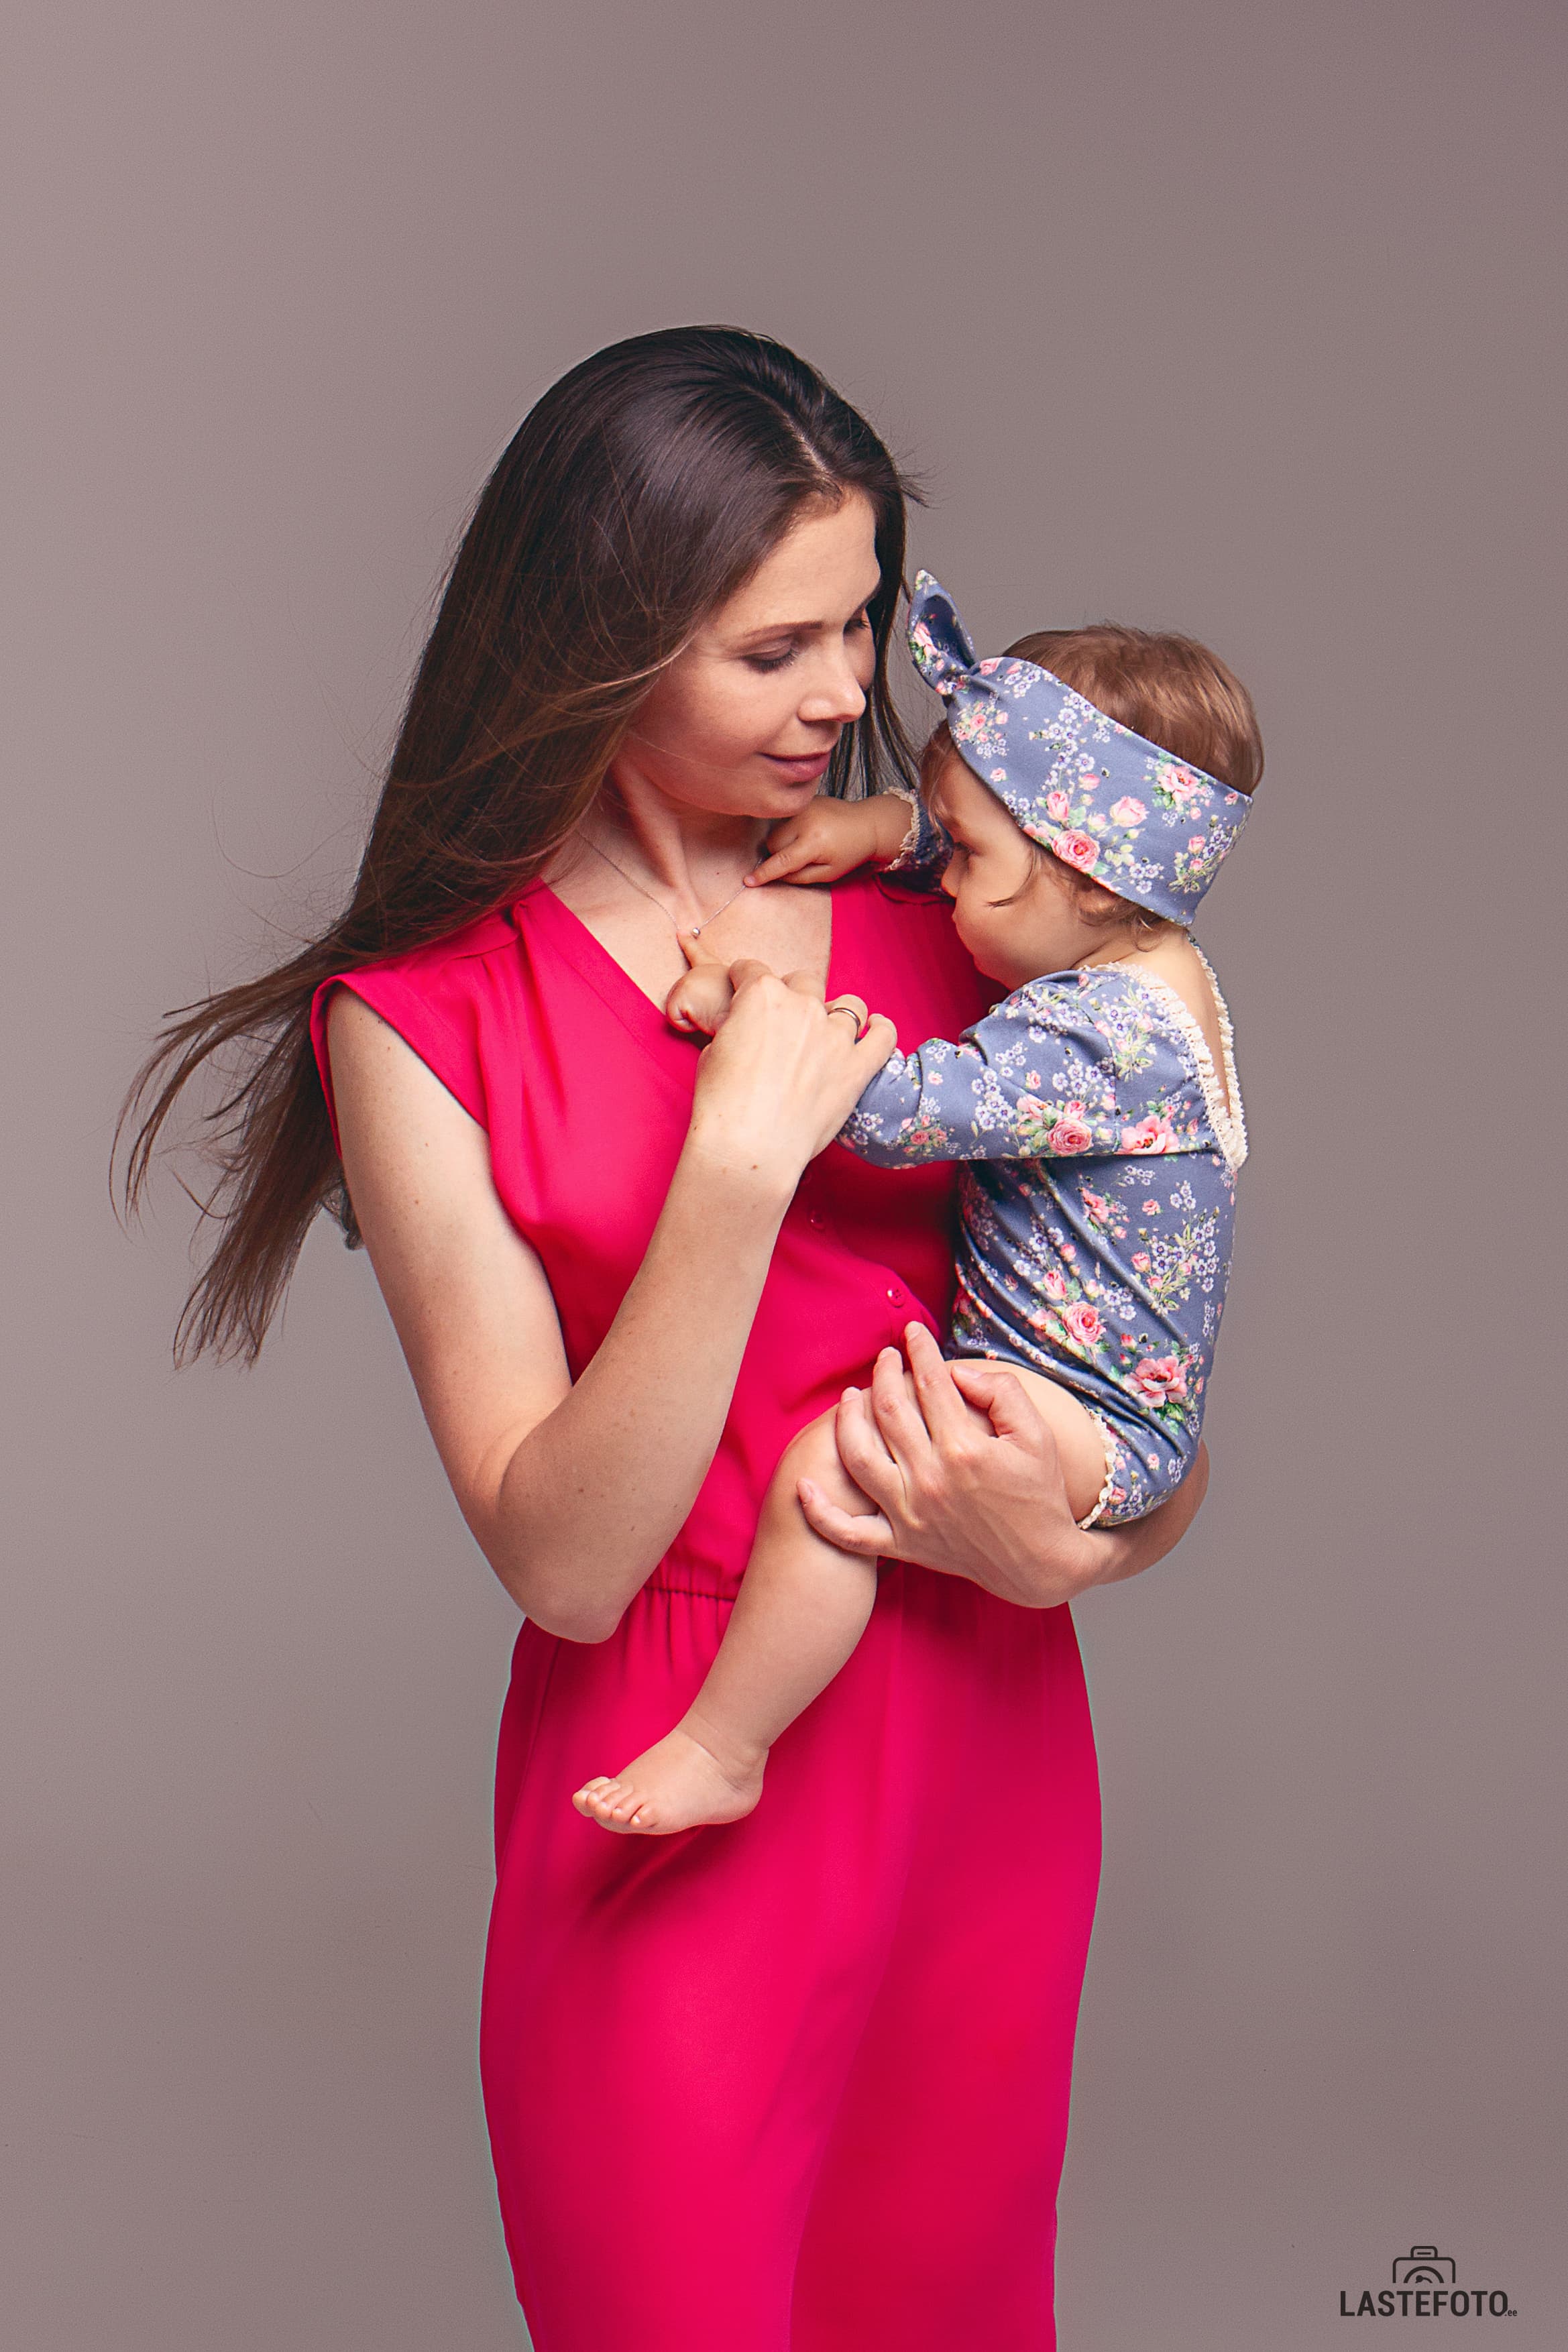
(1079, 1439)
(803, 1606)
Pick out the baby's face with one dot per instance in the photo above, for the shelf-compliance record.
(1016, 918)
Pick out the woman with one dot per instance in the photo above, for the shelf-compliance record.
(799, 2082)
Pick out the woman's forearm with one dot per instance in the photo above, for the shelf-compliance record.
(1128, 1550)
(574, 1492)
(592, 1497)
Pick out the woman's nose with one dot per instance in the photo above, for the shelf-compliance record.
(835, 693)
(950, 877)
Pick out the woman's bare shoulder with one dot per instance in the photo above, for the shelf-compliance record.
(357, 1035)
(467, 1294)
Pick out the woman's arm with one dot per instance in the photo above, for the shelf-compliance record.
(965, 1480)
(574, 1493)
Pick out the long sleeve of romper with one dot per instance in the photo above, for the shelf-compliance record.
(1064, 1067)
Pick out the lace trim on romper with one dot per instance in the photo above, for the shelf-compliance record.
(1223, 1102)
(1227, 1116)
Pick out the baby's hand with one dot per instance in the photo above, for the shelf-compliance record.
(700, 1002)
(832, 837)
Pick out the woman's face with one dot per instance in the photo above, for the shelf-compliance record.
(744, 721)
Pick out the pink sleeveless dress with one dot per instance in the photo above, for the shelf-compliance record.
(797, 2084)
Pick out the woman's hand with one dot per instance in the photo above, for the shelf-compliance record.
(964, 1478)
(781, 1076)
(830, 838)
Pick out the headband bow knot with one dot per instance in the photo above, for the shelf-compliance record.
(1103, 799)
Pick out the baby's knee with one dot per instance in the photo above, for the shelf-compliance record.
(812, 1453)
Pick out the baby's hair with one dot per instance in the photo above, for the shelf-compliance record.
(1169, 690)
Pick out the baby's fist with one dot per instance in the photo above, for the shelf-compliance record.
(701, 999)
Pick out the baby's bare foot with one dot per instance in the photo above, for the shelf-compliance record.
(676, 1784)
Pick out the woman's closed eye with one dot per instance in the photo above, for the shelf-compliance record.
(769, 658)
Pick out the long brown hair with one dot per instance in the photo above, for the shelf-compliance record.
(638, 494)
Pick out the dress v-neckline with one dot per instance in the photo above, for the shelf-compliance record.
(613, 984)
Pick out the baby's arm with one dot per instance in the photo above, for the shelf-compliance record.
(1032, 1080)
(832, 837)
(828, 840)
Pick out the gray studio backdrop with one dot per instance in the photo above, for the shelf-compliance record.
(1241, 319)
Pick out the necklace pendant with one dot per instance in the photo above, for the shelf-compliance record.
(696, 931)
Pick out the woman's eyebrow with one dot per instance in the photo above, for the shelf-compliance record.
(794, 628)
(813, 627)
(782, 629)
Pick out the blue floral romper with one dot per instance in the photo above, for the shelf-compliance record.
(1098, 1202)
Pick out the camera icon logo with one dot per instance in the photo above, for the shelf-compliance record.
(1424, 2266)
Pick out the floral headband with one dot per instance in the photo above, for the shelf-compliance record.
(1098, 796)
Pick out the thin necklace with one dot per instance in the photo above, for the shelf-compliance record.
(695, 930)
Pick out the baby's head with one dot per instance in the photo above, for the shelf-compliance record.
(1024, 905)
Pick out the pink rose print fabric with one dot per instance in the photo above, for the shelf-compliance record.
(1097, 1199)
(1100, 798)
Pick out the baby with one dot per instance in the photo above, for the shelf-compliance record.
(1076, 802)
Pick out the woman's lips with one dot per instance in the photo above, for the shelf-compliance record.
(806, 770)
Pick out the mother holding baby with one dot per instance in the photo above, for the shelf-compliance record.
(798, 2084)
